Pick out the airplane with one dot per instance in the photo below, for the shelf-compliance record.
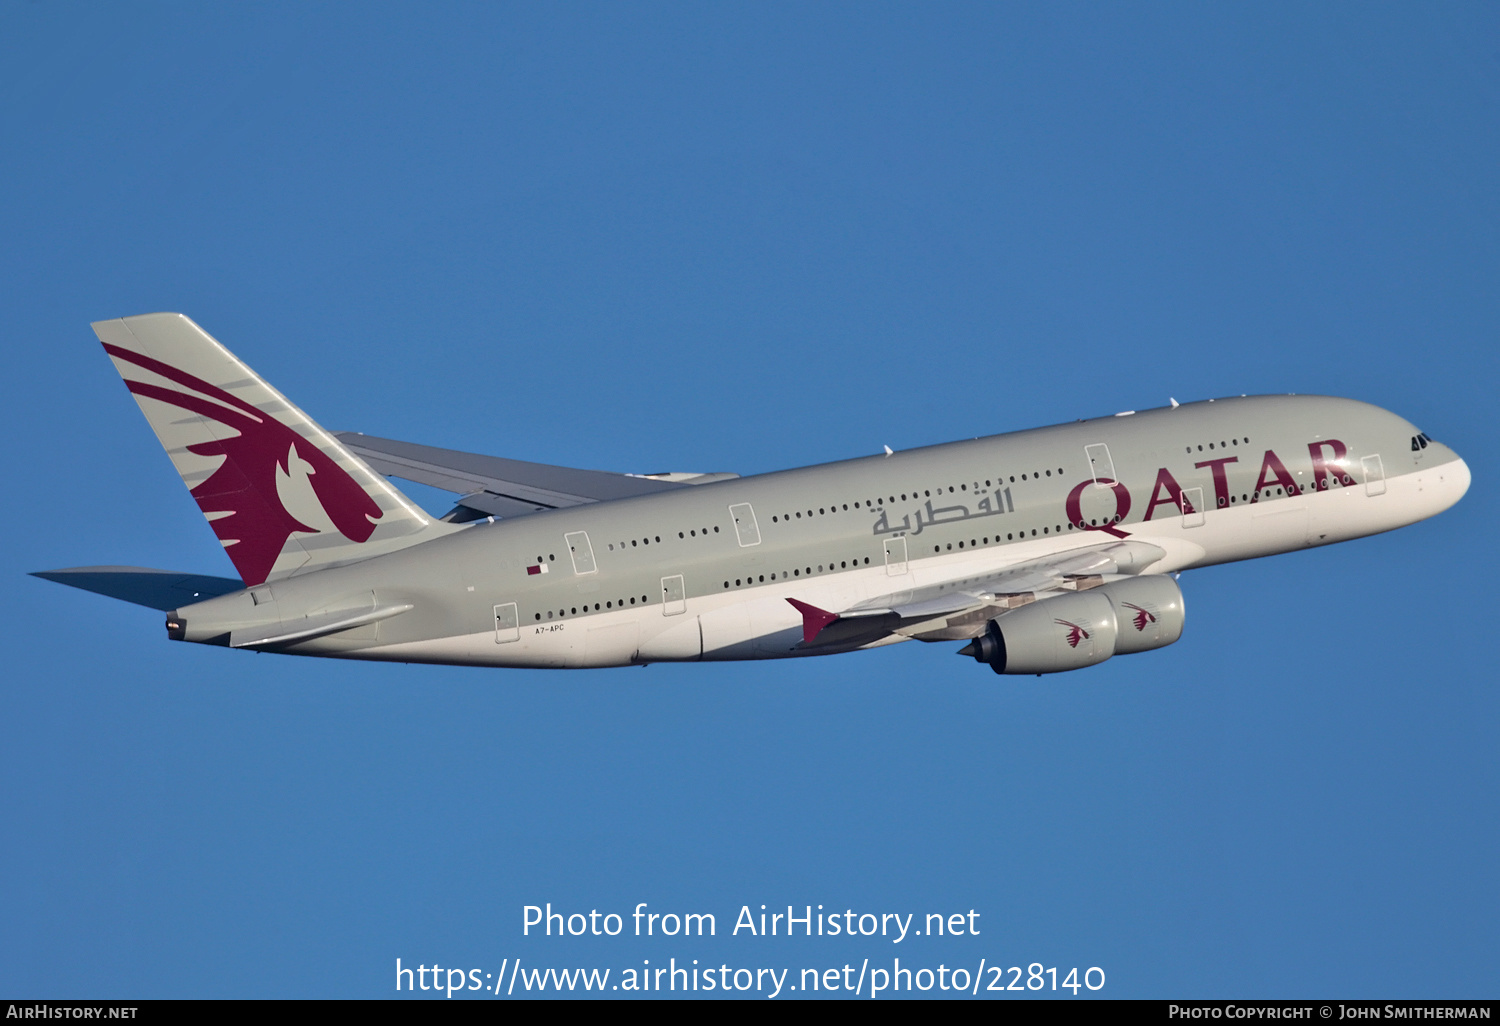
(1044, 551)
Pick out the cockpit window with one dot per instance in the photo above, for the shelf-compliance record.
(1419, 441)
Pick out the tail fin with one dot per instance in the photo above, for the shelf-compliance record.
(283, 495)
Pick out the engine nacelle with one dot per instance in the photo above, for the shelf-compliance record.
(1072, 631)
(1064, 633)
(1149, 610)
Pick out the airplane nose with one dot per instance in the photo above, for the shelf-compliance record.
(1452, 481)
(1457, 476)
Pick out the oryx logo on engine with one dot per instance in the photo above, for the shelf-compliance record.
(1076, 634)
(1141, 618)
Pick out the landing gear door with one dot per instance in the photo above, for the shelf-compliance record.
(1374, 475)
(895, 557)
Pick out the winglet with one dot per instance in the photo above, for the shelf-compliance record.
(813, 619)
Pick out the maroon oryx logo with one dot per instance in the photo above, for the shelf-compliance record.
(240, 497)
(1141, 618)
(1076, 634)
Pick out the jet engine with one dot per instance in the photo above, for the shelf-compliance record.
(1150, 612)
(1075, 630)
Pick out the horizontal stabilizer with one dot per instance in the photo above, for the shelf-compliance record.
(154, 589)
(286, 632)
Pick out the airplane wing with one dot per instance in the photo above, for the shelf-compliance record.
(959, 608)
(500, 487)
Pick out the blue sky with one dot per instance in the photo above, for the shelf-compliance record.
(721, 237)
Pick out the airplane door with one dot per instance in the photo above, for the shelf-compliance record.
(1374, 475)
(895, 557)
(581, 551)
(1101, 466)
(1192, 507)
(673, 596)
(745, 527)
(507, 623)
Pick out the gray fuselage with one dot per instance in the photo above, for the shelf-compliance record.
(705, 572)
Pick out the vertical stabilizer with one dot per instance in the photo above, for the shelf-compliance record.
(283, 495)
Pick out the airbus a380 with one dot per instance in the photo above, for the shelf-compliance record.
(1044, 550)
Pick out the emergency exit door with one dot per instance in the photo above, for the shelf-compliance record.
(673, 596)
(895, 556)
(507, 623)
(1374, 475)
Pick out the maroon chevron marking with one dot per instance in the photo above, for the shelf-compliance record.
(813, 619)
(244, 486)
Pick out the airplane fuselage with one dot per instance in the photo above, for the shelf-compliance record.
(706, 572)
